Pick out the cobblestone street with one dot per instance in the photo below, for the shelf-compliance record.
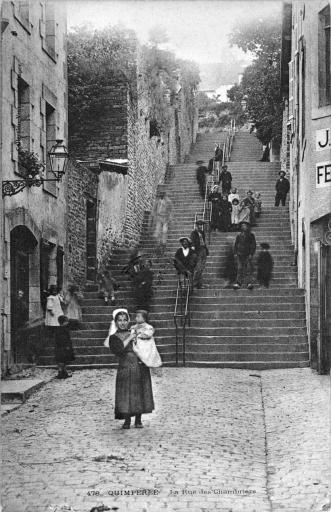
(205, 447)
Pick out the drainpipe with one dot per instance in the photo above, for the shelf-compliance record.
(4, 25)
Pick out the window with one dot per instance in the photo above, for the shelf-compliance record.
(48, 29)
(324, 56)
(50, 141)
(303, 93)
(23, 9)
(23, 114)
(22, 14)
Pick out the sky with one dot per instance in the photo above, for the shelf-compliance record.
(197, 29)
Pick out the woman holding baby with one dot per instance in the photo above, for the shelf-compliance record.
(137, 352)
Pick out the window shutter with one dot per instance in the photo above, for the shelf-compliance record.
(291, 90)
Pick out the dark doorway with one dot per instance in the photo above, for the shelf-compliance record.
(45, 251)
(22, 243)
(59, 267)
(324, 290)
(91, 239)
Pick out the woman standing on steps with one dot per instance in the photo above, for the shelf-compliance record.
(215, 197)
(134, 395)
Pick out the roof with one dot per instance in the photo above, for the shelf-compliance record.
(119, 165)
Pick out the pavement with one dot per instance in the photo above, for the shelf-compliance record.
(219, 439)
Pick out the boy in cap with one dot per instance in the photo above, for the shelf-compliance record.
(200, 248)
(282, 189)
(264, 265)
(244, 250)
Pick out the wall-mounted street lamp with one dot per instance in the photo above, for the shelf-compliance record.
(58, 158)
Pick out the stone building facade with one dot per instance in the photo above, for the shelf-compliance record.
(306, 156)
(133, 158)
(33, 116)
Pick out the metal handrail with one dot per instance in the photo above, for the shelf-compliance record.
(228, 143)
(183, 294)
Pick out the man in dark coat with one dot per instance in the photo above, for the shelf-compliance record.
(142, 282)
(226, 179)
(185, 259)
(201, 177)
(244, 250)
(200, 248)
(282, 189)
(264, 265)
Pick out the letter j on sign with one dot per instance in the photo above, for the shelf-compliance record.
(323, 174)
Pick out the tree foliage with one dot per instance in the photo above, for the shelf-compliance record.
(96, 58)
(260, 86)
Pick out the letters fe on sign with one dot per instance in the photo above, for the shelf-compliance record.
(323, 139)
(323, 174)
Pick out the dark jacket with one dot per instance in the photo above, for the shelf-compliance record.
(201, 172)
(245, 245)
(196, 240)
(183, 262)
(63, 347)
(226, 178)
(282, 186)
(218, 155)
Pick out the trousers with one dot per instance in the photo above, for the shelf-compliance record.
(161, 231)
(244, 269)
(280, 197)
(200, 266)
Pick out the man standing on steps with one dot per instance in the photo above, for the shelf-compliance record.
(244, 250)
(160, 218)
(282, 189)
(200, 248)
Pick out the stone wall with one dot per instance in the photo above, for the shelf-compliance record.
(119, 127)
(104, 131)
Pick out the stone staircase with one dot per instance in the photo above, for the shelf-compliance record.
(256, 329)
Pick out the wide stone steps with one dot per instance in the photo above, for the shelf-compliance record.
(253, 329)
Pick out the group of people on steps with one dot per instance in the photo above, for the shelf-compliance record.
(135, 346)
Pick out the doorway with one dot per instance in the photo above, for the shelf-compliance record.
(22, 244)
(91, 239)
(324, 292)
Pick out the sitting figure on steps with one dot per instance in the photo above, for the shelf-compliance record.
(185, 260)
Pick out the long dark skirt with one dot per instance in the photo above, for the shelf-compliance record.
(134, 393)
(215, 216)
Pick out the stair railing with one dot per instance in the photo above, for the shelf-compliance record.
(182, 315)
(228, 144)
